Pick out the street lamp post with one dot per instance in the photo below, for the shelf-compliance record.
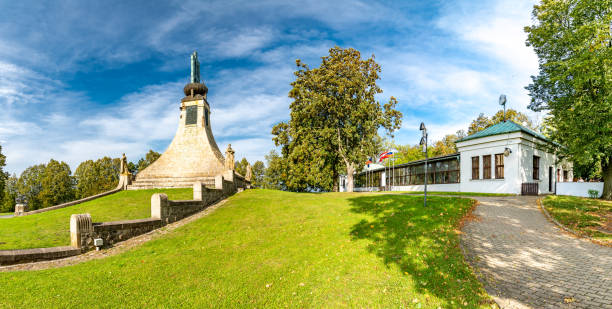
(424, 144)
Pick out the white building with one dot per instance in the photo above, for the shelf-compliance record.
(504, 158)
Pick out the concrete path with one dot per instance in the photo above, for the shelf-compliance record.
(527, 262)
(6, 216)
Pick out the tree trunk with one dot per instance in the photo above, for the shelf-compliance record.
(606, 170)
(350, 169)
(336, 181)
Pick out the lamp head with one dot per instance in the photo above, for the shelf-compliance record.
(422, 127)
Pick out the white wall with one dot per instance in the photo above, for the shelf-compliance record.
(491, 145)
(579, 188)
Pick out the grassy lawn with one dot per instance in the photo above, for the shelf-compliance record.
(277, 249)
(592, 217)
(6, 213)
(49, 229)
(455, 193)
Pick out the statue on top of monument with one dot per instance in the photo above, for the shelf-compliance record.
(195, 68)
(124, 166)
(249, 173)
(229, 158)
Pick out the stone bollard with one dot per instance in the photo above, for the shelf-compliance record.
(20, 209)
(198, 191)
(219, 182)
(159, 206)
(81, 231)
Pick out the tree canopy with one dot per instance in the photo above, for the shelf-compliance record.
(149, 158)
(93, 177)
(573, 41)
(335, 119)
(483, 122)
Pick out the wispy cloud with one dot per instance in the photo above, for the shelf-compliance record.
(92, 80)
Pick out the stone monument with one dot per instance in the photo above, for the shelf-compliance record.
(125, 177)
(229, 158)
(193, 154)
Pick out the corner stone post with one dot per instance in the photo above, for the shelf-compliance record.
(159, 206)
(20, 209)
(198, 191)
(81, 231)
(219, 182)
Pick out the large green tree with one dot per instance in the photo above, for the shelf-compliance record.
(259, 171)
(57, 184)
(335, 120)
(241, 166)
(482, 122)
(93, 177)
(276, 172)
(10, 194)
(3, 175)
(573, 41)
(30, 185)
(149, 158)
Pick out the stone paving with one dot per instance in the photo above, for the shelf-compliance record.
(526, 261)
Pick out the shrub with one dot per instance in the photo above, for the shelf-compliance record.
(593, 193)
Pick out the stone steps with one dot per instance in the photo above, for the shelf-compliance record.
(168, 182)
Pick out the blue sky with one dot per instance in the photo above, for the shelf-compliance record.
(82, 80)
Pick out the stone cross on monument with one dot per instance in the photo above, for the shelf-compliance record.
(195, 68)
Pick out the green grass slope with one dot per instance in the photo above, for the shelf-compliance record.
(278, 249)
(587, 216)
(49, 229)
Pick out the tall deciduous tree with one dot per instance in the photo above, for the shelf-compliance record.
(93, 177)
(335, 120)
(483, 122)
(10, 194)
(57, 184)
(241, 166)
(259, 170)
(276, 172)
(573, 41)
(30, 185)
(149, 158)
(3, 175)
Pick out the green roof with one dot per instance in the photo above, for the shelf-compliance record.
(504, 127)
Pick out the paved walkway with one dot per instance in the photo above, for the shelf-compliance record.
(6, 216)
(526, 261)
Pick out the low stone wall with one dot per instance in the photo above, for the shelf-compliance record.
(8, 257)
(89, 198)
(116, 231)
(83, 231)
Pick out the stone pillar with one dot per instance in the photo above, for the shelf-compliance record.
(219, 182)
(198, 191)
(159, 206)
(81, 231)
(20, 209)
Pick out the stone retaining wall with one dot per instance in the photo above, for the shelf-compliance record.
(8, 257)
(163, 211)
(89, 198)
(116, 231)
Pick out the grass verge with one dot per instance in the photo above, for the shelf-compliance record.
(585, 216)
(278, 249)
(453, 193)
(52, 228)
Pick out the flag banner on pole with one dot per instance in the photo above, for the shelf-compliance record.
(385, 155)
